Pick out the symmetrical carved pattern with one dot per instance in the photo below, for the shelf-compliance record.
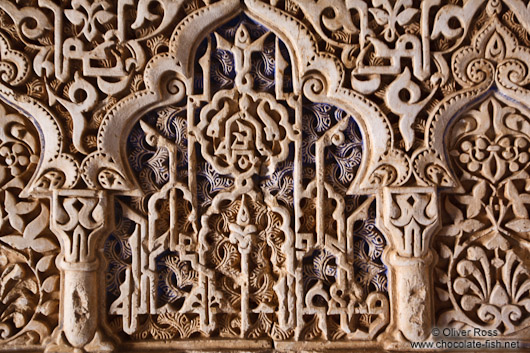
(484, 276)
(29, 279)
(262, 174)
(239, 275)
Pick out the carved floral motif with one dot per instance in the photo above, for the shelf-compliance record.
(484, 269)
(29, 279)
(255, 174)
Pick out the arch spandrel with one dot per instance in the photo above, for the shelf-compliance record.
(15, 72)
(481, 131)
(482, 71)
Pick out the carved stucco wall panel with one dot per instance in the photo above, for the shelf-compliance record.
(254, 174)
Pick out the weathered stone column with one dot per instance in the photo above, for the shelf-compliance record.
(80, 220)
(409, 217)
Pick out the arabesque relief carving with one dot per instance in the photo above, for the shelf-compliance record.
(263, 175)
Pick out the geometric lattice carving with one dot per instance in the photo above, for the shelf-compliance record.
(248, 177)
(256, 175)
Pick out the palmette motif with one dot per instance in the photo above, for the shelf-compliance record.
(487, 278)
(29, 279)
(262, 174)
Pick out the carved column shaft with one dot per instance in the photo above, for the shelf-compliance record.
(79, 305)
(409, 217)
(412, 305)
(80, 220)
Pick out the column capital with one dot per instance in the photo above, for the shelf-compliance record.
(80, 219)
(409, 217)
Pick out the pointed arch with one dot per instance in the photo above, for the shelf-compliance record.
(168, 80)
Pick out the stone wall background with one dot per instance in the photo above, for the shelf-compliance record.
(258, 175)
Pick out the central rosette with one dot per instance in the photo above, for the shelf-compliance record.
(242, 134)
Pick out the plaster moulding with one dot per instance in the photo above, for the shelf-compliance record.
(258, 175)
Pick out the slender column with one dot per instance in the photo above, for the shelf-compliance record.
(409, 217)
(241, 233)
(81, 219)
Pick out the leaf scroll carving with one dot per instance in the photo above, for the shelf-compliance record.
(485, 246)
(29, 280)
(260, 174)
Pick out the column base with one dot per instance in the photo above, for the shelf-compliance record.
(59, 344)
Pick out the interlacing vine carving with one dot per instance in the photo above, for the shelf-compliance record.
(483, 272)
(29, 279)
(262, 174)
